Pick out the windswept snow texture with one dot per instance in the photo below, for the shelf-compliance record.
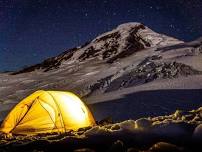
(129, 72)
(177, 132)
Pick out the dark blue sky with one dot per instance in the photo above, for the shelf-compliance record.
(32, 30)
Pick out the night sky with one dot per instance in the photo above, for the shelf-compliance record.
(32, 30)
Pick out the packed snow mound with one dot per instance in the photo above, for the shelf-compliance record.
(145, 134)
(172, 125)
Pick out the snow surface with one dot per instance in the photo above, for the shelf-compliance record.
(180, 131)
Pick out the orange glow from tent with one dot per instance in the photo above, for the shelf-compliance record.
(77, 113)
(47, 111)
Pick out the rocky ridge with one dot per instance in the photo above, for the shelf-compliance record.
(145, 72)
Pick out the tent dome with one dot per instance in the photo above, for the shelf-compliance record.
(46, 112)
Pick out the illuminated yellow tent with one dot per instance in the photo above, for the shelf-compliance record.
(46, 112)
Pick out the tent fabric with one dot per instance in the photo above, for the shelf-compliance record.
(47, 112)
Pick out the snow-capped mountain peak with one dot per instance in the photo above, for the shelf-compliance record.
(125, 40)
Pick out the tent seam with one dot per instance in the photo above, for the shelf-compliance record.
(58, 109)
(48, 114)
(24, 114)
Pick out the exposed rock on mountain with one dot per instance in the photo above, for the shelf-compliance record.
(50, 63)
(145, 72)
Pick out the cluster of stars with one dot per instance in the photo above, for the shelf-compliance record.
(44, 28)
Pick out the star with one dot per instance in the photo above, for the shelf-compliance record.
(52, 22)
(128, 11)
(34, 54)
(20, 38)
(172, 26)
(6, 49)
(178, 30)
(158, 8)
(114, 14)
(105, 1)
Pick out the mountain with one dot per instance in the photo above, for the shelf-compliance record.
(121, 42)
(132, 69)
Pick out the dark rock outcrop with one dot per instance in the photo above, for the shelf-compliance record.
(148, 70)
